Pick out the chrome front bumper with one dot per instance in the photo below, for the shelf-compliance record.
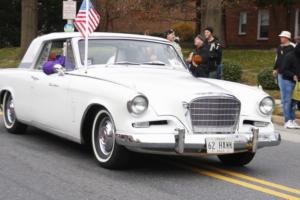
(185, 144)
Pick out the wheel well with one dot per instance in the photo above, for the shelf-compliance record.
(87, 123)
(2, 93)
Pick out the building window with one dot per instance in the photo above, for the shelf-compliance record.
(263, 24)
(297, 25)
(242, 23)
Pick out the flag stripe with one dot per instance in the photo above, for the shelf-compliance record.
(93, 19)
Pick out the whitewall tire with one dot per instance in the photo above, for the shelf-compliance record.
(107, 152)
(11, 122)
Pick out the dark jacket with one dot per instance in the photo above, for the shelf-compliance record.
(202, 69)
(280, 54)
(214, 53)
(291, 64)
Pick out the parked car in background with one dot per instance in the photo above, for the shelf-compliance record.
(136, 95)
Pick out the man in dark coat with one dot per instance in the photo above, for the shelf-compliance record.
(214, 52)
(290, 75)
(284, 48)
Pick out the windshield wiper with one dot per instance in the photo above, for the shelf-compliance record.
(126, 63)
(155, 63)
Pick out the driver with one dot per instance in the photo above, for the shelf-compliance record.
(151, 55)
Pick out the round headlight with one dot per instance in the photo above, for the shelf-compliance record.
(266, 106)
(138, 105)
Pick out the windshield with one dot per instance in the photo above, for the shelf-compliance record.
(130, 52)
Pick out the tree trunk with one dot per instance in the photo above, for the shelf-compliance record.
(198, 17)
(288, 16)
(212, 16)
(28, 23)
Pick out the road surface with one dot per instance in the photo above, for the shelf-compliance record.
(38, 166)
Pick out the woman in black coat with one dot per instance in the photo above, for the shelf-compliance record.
(198, 59)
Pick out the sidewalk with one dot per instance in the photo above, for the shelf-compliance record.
(277, 119)
(291, 135)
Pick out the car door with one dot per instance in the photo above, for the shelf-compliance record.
(51, 97)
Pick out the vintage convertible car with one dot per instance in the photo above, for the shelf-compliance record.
(136, 95)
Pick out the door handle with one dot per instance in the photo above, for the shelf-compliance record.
(53, 85)
(35, 78)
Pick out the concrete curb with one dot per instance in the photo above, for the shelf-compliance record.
(280, 120)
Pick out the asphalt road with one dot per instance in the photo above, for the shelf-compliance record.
(38, 166)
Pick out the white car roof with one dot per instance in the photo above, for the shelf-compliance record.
(37, 42)
(99, 34)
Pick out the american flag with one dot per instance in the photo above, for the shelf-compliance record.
(93, 19)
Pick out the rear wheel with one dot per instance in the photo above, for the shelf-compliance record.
(238, 159)
(107, 152)
(11, 122)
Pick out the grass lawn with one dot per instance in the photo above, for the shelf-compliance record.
(252, 62)
(9, 57)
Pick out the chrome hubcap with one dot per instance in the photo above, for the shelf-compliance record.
(106, 136)
(10, 111)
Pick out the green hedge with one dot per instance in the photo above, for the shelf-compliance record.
(266, 79)
(232, 72)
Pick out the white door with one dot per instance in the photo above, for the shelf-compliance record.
(50, 93)
(51, 100)
(21, 83)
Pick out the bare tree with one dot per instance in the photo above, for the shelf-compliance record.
(112, 10)
(28, 23)
(152, 10)
(198, 16)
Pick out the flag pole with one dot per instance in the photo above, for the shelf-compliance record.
(86, 35)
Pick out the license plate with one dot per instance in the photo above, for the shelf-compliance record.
(219, 145)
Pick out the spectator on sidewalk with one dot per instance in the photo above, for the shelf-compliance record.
(215, 53)
(198, 58)
(284, 48)
(170, 35)
(290, 75)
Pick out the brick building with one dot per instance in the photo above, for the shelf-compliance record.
(249, 26)
(242, 26)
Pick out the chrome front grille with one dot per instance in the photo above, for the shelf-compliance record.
(215, 114)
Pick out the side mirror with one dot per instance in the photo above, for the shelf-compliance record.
(59, 69)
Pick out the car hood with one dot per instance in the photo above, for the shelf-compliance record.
(158, 82)
(166, 89)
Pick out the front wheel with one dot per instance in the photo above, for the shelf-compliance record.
(107, 152)
(11, 122)
(238, 159)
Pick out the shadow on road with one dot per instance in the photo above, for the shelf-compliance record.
(42, 141)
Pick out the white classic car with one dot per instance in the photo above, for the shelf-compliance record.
(136, 95)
